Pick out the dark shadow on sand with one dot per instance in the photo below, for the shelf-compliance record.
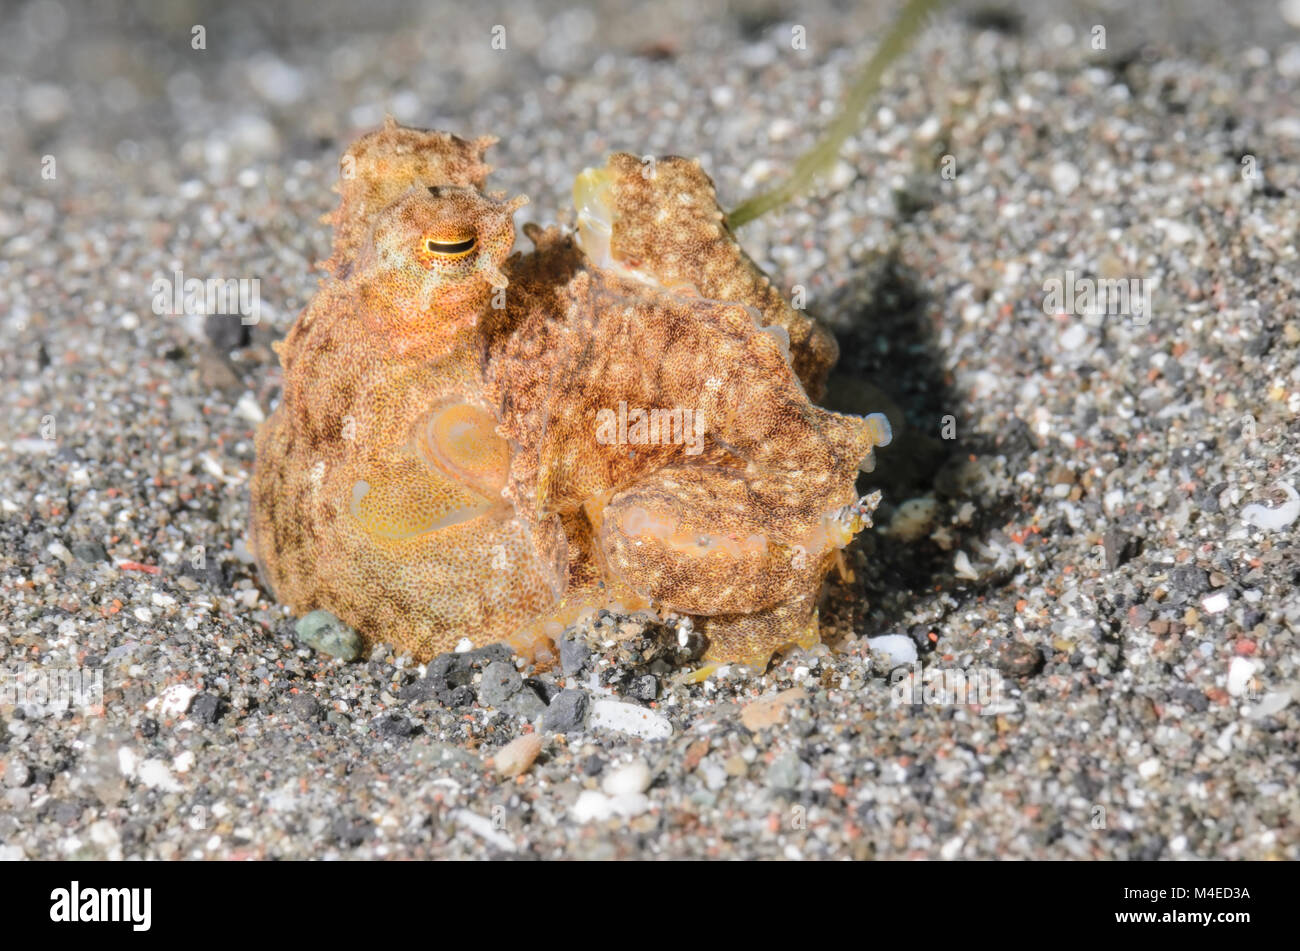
(890, 362)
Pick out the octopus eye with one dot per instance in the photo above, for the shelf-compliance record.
(450, 249)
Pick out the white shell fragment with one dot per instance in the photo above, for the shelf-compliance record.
(1274, 519)
(1240, 672)
(899, 648)
(173, 701)
(633, 777)
(629, 718)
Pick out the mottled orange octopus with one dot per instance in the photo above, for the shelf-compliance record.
(485, 446)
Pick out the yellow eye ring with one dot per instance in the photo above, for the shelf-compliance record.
(450, 250)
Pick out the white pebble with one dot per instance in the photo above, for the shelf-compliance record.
(780, 129)
(155, 774)
(914, 519)
(898, 648)
(175, 700)
(252, 133)
(841, 175)
(1176, 231)
(1148, 768)
(634, 777)
(928, 130)
(759, 170)
(1065, 178)
(1224, 742)
(629, 718)
(591, 805)
(276, 80)
(1286, 127)
(406, 105)
(248, 409)
(1215, 603)
(631, 804)
(1288, 61)
(1240, 672)
(1074, 337)
(104, 834)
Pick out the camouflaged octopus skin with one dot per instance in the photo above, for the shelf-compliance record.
(442, 464)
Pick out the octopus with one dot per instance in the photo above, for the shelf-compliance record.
(480, 444)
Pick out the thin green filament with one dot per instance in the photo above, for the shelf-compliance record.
(817, 160)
